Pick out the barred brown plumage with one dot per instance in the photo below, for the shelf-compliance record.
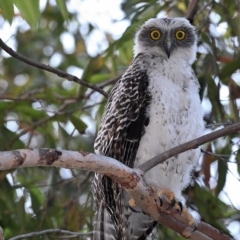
(120, 132)
(153, 107)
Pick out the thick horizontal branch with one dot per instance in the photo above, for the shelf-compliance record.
(130, 179)
(188, 146)
(48, 68)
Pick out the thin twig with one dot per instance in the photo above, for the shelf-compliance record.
(221, 156)
(59, 72)
(188, 146)
(109, 81)
(210, 125)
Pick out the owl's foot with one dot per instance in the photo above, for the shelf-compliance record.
(165, 194)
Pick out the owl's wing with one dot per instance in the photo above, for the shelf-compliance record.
(119, 135)
(125, 117)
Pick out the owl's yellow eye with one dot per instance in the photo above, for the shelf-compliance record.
(155, 35)
(180, 35)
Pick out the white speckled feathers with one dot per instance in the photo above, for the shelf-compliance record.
(175, 118)
(154, 106)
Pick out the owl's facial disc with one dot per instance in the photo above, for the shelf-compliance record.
(172, 39)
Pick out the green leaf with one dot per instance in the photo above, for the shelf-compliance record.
(29, 10)
(6, 140)
(213, 95)
(63, 135)
(99, 77)
(27, 112)
(222, 167)
(78, 124)
(5, 106)
(222, 174)
(93, 66)
(63, 8)
(7, 9)
(238, 160)
(210, 208)
(37, 198)
(229, 69)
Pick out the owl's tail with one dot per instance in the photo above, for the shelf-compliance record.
(104, 229)
(114, 219)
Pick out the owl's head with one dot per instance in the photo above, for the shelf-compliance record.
(168, 37)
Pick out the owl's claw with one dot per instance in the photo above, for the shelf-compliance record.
(195, 225)
(161, 201)
(134, 210)
(163, 193)
(191, 221)
(180, 207)
(171, 204)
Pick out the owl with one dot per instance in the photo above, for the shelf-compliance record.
(155, 106)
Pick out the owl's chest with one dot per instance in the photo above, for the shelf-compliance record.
(173, 95)
(175, 117)
(174, 111)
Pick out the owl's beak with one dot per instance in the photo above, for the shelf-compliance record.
(168, 48)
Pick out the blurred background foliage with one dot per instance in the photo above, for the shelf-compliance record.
(39, 109)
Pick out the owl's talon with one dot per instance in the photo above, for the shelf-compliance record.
(133, 209)
(190, 220)
(195, 225)
(180, 207)
(172, 204)
(161, 201)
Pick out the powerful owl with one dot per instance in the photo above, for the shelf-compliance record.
(153, 107)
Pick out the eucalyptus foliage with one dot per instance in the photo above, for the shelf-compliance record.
(39, 109)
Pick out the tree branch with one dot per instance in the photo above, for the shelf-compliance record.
(130, 179)
(47, 231)
(45, 67)
(192, 10)
(188, 146)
